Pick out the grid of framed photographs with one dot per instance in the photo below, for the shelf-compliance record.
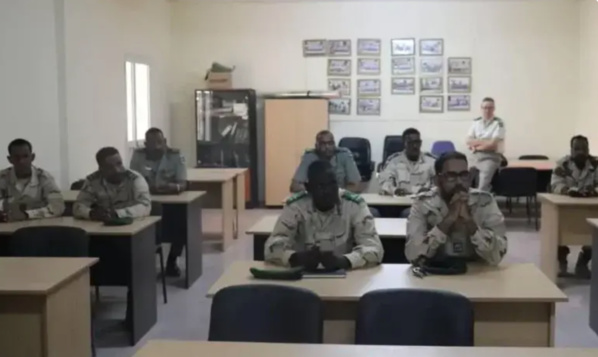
(409, 57)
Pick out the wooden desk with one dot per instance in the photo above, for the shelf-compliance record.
(540, 165)
(594, 282)
(181, 222)
(392, 233)
(563, 223)
(161, 348)
(223, 180)
(513, 304)
(126, 258)
(45, 307)
(374, 199)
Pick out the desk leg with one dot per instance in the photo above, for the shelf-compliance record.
(549, 240)
(259, 241)
(239, 201)
(227, 214)
(594, 284)
(193, 249)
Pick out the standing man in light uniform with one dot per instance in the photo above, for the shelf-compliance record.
(485, 139)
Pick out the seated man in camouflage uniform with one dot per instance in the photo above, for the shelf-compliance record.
(341, 159)
(27, 192)
(454, 221)
(323, 226)
(408, 172)
(112, 191)
(576, 175)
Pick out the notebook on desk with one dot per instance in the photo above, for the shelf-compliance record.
(324, 274)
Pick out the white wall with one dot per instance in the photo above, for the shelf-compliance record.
(29, 85)
(525, 55)
(588, 119)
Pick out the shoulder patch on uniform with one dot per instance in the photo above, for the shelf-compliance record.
(424, 194)
(483, 198)
(428, 154)
(94, 176)
(296, 197)
(478, 118)
(500, 122)
(131, 174)
(309, 151)
(352, 197)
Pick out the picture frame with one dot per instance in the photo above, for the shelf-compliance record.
(402, 47)
(369, 87)
(402, 65)
(431, 104)
(368, 66)
(341, 85)
(339, 67)
(431, 47)
(459, 84)
(368, 106)
(314, 48)
(459, 65)
(431, 65)
(339, 106)
(403, 85)
(431, 85)
(458, 102)
(339, 47)
(369, 47)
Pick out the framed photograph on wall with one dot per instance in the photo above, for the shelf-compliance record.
(339, 67)
(313, 48)
(369, 47)
(458, 103)
(341, 85)
(403, 65)
(368, 66)
(431, 47)
(403, 85)
(339, 47)
(431, 104)
(431, 65)
(402, 47)
(368, 106)
(368, 87)
(430, 85)
(459, 84)
(459, 65)
(339, 106)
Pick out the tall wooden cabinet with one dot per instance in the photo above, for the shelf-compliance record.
(290, 127)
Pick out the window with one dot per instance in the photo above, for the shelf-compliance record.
(138, 100)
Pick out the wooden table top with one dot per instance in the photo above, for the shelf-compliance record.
(386, 227)
(39, 276)
(181, 198)
(95, 228)
(374, 199)
(161, 348)
(564, 200)
(213, 175)
(508, 282)
(540, 165)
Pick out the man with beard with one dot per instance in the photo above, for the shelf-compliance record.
(341, 159)
(324, 226)
(576, 175)
(112, 191)
(454, 221)
(164, 170)
(26, 191)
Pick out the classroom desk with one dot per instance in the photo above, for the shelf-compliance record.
(563, 223)
(392, 233)
(181, 220)
(127, 258)
(45, 307)
(161, 348)
(539, 165)
(514, 304)
(229, 184)
(594, 282)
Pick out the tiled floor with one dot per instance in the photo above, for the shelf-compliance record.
(186, 316)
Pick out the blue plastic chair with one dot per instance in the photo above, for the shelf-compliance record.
(266, 313)
(440, 147)
(414, 317)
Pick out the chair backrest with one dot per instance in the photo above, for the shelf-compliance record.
(392, 144)
(414, 317)
(266, 313)
(49, 241)
(533, 157)
(360, 147)
(517, 182)
(440, 147)
(77, 185)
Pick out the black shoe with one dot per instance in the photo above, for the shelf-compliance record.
(173, 270)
